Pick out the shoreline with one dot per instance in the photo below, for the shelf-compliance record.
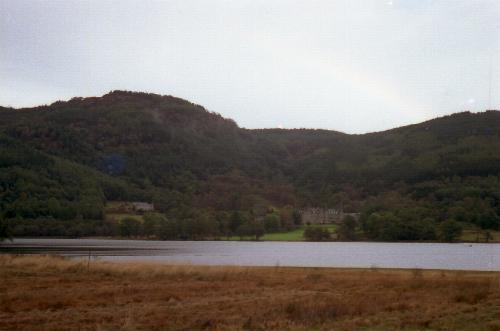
(264, 241)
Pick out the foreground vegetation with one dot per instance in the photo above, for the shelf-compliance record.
(51, 293)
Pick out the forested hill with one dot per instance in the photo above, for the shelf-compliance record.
(66, 160)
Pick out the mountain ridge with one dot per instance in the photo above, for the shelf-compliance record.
(128, 94)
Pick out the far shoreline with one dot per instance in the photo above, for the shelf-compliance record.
(263, 241)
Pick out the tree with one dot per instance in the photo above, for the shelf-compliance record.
(272, 222)
(130, 227)
(5, 232)
(244, 230)
(237, 219)
(206, 224)
(223, 220)
(450, 230)
(54, 207)
(381, 226)
(252, 228)
(313, 233)
(257, 228)
(489, 220)
(152, 223)
(167, 229)
(347, 229)
(297, 217)
(487, 236)
(286, 218)
(426, 229)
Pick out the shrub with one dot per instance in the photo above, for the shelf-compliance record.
(313, 233)
(450, 230)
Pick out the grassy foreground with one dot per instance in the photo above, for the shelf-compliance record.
(51, 293)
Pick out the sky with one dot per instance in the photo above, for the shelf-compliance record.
(349, 65)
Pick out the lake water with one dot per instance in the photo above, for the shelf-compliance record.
(302, 254)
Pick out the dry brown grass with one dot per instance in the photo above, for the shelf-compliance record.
(51, 293)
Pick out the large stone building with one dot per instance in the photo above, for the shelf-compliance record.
(324, 216)
(125, 207)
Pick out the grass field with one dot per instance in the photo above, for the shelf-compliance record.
(115, 210)
(473, 235)
(120, 216)
(294, 235)
(298, 235)
(52, 293)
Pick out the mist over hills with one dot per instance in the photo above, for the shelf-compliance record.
(64, 161)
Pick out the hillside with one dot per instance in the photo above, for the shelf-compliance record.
(60, 164)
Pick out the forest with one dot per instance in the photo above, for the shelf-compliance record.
(62, 164)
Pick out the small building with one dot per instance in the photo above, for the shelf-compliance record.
(142, 207)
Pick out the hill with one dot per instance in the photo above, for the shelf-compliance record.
(62, 163)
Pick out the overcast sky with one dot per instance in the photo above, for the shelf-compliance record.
(348, 65)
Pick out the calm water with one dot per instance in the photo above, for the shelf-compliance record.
(304, 254)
